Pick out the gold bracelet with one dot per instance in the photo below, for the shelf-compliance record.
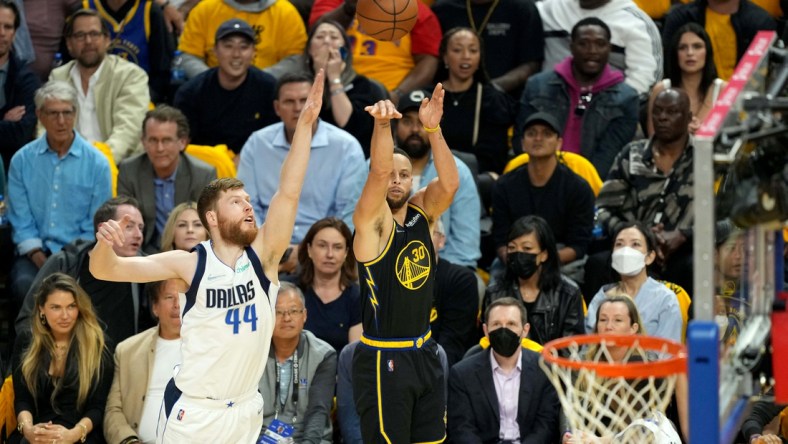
(432, 130)
(84, 432)
(21, 426)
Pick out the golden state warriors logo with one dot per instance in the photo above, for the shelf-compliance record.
(413, 265)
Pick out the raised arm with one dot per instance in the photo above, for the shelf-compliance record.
(278, 227)
(106, 265)
(439, 192)
(372, 217)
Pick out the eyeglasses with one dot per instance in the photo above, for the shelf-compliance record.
(292, 312)
(81, 36)
(582, 103)
(66, 115)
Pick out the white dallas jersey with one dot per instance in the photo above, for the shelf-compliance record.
(226, 326)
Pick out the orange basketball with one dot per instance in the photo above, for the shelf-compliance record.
(387, 19)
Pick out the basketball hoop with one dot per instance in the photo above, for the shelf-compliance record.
(615, 388)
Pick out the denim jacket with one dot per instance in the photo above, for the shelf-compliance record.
(609, 122)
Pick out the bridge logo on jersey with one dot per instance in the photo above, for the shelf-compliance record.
(413, 265)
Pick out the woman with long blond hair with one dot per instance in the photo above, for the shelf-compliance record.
(63, 368)
(183, 230)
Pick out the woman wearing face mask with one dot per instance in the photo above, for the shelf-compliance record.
(633, 252)
(553, 302)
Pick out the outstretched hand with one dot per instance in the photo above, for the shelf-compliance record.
(383, 110)
(311, 110)
(111, 231)
(431, 110)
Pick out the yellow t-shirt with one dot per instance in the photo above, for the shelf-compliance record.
(723, 41)
(386, 62)
(655, 9)
(280, 31)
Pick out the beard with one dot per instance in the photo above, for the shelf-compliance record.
(235, 233)
(91, 61)
(415, 146)
(396, 204)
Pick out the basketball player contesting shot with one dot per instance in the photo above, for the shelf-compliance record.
(398, 382)
(228, 294)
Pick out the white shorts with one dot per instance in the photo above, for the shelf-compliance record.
(185, 419)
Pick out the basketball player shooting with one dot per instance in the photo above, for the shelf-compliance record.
(228, 294)
(398, 381)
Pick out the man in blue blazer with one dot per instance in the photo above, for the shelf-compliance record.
(501, 395)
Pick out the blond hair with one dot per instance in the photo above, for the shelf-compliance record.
(168, 236)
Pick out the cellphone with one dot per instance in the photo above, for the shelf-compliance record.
(343, 53)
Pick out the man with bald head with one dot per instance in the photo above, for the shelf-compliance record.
(651, 182)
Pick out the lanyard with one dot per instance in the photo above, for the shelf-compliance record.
(280, 406)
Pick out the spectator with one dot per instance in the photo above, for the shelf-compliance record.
(300, 376)
(455, 303)
(63, 367)
(336, 170)
(118, 305)
(163, 176)
(633, 251)
(347, 92)
(235, 90)
(112, 92)
(278, 32)
(17, 87)
(596, 111)
(55, 184)
(347, 417)
(183, 230)
(689, 65)
(511, 32)
(651, 182)
(501, 395)
(138, 33)
(633, 33)
(461, 220)
(755, 428)
(553, 302)
(143, 367)
(328, 280)
(545, 188)
(478, 114)
(401, 66)
(731, 25)
(45, 21)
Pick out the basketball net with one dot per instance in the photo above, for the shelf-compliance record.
(621, 400)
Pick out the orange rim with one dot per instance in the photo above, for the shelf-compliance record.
(675, 364)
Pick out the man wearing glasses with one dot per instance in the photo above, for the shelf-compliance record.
(299, 377)
(596, 111)
(55, 185)
(112, 92)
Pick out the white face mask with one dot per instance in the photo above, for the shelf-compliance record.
(722, 323)
(628, 262)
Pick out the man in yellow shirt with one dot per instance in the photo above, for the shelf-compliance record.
(279, 31)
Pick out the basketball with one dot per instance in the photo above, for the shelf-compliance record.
(387, 19)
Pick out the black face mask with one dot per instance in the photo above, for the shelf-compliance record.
(522, 265)
(504, 341)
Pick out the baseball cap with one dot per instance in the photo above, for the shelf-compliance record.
(235, 26)
(412, 100)
(543, 118)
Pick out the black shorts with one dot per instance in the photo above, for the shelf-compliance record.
(400, 394)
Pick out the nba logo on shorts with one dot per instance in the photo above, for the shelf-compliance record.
(180, 415)
(391, 365)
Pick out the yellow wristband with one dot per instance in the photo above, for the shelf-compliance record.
(432, 130)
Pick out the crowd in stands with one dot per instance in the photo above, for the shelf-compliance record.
(571, 124)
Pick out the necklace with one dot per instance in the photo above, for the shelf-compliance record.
(483, 25)
(60, 351)
(456, 98)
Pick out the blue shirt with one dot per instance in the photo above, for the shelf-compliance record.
(165, 200)
(657, 305)
(52, 200)
(461, 220)
(334, 177)
(331, 322)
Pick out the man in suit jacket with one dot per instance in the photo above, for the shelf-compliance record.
(501, 394)
(143, 367)
(113, 93)
(163, 176)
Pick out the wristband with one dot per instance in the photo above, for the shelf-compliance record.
(336, 81)
(130, 440)
(84, 436)
(432, 130)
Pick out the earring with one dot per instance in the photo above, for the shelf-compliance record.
(43, 319)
